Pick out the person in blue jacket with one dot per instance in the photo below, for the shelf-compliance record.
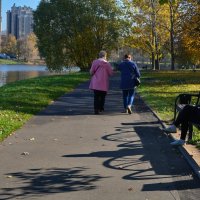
(129, 71)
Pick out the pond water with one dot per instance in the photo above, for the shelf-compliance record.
(11, 73)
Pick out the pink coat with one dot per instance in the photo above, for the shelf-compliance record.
(100, 71)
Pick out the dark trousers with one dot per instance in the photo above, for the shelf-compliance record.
(99, 100)
(189, 114)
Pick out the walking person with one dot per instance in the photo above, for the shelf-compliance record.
(129, 71)
(100, 70)
(189, 114)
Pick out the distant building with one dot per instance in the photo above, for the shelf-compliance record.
(20, 21)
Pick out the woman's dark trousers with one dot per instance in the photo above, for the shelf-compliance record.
(189, 114)
(99, 101)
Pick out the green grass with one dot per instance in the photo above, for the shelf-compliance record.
(8, 62)
(20, 100)
(160, 88)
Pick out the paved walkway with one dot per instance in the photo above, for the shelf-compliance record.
(67, 153)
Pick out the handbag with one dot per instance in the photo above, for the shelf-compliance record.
(136, 80)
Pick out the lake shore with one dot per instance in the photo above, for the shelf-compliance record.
(19, 62)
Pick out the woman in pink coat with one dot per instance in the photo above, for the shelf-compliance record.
(100, 71)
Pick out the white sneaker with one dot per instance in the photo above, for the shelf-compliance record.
(178, 142)
(170, 129)
(129, 109)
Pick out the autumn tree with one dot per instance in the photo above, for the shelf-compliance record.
(173, 6)
(20, 48)
(189, 33)
(10, 45)
(73, 32)
(27, 47)
(155, 51)
(30, 44)
(147, 33)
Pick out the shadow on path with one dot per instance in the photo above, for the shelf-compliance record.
(147, 157)
(142, 153)
(37, 182)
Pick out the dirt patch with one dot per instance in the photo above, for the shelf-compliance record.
(193, 151)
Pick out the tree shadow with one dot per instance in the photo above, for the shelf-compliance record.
(143, 153)
(146, 156)
(37, 182)
(79, 102)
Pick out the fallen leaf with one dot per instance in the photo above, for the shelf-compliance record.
(130, 189)
(25, 153)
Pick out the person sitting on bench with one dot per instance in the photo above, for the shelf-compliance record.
(189, 114)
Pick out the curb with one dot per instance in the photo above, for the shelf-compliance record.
(191, 161)
(195, 167)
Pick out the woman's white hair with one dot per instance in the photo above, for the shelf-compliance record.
(102, 54)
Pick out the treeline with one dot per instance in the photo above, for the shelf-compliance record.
(23, 49)
(163, 27)
(72, 32)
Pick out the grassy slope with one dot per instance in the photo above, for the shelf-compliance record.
(22, 99)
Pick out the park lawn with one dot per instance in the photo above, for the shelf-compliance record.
(160, 88)
(20, 100)
(8, 62)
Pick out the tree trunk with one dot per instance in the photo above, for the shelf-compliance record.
(153, 60)
(155, 56)
(172, 35)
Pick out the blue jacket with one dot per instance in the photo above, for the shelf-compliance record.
(128, 69)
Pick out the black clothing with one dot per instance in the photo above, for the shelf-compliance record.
(99, 101)
(189, 114)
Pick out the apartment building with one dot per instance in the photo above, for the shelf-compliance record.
(19, 21)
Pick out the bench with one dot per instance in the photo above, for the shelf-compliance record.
(187, 99)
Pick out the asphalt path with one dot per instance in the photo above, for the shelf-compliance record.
(68, 153)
